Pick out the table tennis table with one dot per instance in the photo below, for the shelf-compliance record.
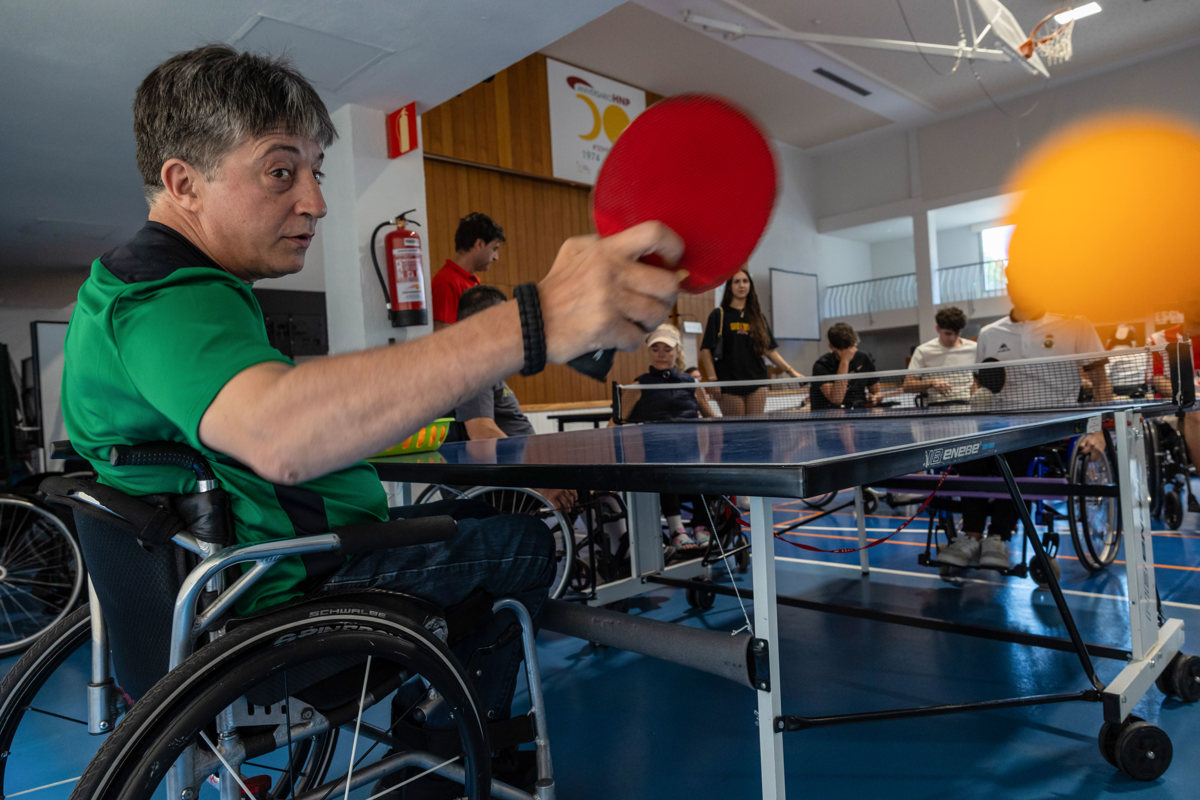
(803, 457)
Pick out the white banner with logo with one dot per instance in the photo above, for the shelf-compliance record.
(587, 114)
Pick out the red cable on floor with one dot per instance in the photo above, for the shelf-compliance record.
(903, 525)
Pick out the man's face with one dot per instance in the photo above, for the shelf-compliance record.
(483, 254)
(947, 336)
(258, 215)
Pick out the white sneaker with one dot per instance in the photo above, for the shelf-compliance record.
(994, 553)
(962, 552)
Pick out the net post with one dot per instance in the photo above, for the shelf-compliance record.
(1183, 380)
(618, 419)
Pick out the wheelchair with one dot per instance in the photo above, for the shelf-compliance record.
(582, 535)
(1168, 471)
(321, 697)
(41, 569)
(1089, 506)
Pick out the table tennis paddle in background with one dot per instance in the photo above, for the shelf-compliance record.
(700, 165)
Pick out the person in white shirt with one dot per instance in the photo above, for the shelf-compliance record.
(947, 349)
(1025, 333)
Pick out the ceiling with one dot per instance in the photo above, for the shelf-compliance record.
(71, 189)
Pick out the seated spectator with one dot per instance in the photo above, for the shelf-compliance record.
(843, 358)
(947, 349)
(702, 399)
(664, 405)
(494, 412)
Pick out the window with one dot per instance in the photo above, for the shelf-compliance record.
(994, 244)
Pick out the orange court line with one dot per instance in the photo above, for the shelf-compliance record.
(840, 537)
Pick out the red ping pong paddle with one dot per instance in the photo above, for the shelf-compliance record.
(700, 165)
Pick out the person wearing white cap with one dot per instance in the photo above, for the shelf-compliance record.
(668, 405)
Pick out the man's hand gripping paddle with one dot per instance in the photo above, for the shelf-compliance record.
(702, 167)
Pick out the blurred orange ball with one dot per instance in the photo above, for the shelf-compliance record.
(1107, 221)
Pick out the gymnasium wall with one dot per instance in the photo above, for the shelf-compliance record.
(488, 149)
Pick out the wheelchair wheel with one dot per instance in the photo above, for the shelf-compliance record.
(436, 492)
(1094, 521)
(283, 678)
(43, 709)
(41, 572)
(1154, 464)
(528, 501)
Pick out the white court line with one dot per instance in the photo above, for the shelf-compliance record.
(927, 576)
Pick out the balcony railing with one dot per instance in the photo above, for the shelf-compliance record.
(955, 284)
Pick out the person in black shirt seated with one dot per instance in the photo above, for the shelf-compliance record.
(843, 358)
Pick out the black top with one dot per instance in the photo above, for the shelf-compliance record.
(662, 405)
(856, 394)
(737, 360)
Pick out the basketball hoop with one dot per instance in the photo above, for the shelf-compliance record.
(1055, 47)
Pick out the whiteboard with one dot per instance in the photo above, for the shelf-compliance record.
(794, 305)
(48, 339)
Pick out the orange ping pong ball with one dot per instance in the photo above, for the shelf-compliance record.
(1107, 219)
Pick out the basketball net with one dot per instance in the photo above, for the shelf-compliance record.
(1055, 46)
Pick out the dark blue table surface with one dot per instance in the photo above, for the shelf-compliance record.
(779, 458)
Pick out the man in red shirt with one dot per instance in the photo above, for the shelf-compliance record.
(476, 245)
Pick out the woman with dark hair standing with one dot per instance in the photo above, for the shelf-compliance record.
(736, 339)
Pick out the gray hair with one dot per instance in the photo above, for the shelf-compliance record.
(199, 105)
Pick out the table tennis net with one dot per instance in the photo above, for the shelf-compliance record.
(1159, 376)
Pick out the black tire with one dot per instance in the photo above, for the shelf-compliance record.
(1181, 678)
(1172, 508)
(1143, 751)
(531, 502)
(314, 641)
(41, 571)
(1094, 521)
(818, 500)
(1154, 455)
(41, 703)
(1038, 574)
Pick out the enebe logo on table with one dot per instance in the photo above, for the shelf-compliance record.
(939, 456)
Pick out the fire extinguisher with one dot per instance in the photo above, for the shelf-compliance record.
(404, 288)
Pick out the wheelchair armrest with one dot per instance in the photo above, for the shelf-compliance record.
(368, 536)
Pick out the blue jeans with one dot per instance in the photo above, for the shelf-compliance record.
(500, 555)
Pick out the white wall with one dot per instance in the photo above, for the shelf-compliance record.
(363, 188)
(970, 156)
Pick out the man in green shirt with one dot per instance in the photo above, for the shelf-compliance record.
(168, 343)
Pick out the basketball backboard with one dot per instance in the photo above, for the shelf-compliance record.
(1006, 28)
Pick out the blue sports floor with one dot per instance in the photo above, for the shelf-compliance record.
(626, 726)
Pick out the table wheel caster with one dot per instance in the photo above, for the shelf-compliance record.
(1181, 678)
(700, 597)
(1140, 750)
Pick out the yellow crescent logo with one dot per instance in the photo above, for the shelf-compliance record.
(595, 131)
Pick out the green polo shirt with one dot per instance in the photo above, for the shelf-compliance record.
(158, 330)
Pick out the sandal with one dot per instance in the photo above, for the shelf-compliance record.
(682, 541)
(701, 535)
